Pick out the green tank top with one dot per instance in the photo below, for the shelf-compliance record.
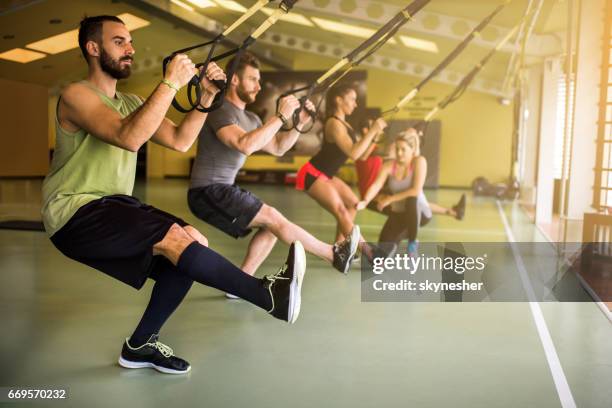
(85, 168)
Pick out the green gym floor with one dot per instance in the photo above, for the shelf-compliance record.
(63, 325)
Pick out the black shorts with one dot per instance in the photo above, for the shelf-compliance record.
(115, 235)
(309, 181)
(225, 206)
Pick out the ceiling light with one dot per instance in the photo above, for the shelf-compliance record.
(348, 29)
(133, 22)
(294, 18)
(231, 5)
(202, 3)
(419, 44)
(70, 39)
(21, 55)
(183, 5)
(57, 43)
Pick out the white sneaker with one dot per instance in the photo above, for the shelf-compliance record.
(229, 296)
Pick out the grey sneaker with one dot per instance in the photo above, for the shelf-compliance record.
(345, 251)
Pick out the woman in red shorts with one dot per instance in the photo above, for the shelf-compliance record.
(318, 176)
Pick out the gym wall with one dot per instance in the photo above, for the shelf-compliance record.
(476, 131)
(475, 134)
(24, 146)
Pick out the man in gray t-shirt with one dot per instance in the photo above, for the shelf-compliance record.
(230, 134)
(216, 162)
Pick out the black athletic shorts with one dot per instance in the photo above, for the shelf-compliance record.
(225, 206)
(115, 235)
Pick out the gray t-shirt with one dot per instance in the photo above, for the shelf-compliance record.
(216, 162)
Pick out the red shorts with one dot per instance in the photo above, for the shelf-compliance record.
(307, 175)
(367, 171)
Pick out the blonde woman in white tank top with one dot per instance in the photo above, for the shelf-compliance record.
(406, 205)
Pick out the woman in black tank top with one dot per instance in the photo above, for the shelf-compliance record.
(318, 176)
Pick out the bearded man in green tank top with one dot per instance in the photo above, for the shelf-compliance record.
(91, 217)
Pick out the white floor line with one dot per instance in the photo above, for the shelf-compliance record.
(563, 389)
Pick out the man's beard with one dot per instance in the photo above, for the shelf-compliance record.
(246, 97)
(113, 67)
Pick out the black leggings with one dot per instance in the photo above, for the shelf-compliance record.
(201, 264)
(405, 224)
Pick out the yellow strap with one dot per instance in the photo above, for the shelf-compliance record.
(432, 113)
(268, 23)
(407, 98)
(254, 9)
(506, 38)
(332, 70)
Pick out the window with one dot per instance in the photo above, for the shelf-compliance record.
(560, 128)
(602, 186)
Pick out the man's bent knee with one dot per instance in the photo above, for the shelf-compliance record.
(197, 235)
(269, 217)
(173, 244)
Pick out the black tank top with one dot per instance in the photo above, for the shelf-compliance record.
(330, 158)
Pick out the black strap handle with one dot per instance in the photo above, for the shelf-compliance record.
(295, 117)
(194, 89)
(194, 83)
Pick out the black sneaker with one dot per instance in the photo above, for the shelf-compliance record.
(152, 354)
(286, 286)
(380, 250)
(345, 251)
(459, 208)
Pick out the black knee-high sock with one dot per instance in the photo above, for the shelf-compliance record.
(169, 291)
(205, 266)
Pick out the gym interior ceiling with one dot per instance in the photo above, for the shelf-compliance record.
(442, 22)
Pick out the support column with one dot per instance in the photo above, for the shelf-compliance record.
(530, 130)
(546, 145)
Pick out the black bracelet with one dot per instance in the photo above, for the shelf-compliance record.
(206, 107)
(282, 118)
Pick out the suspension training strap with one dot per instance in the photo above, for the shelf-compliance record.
(467, 80)
(194, 84)
(352, 59)
(446, 62)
